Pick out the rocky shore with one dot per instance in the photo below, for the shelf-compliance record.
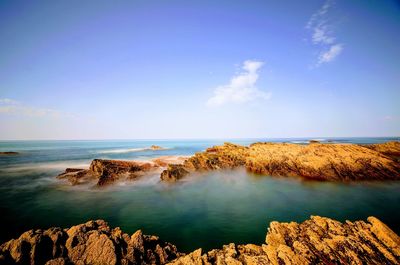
(318, 240)
(314, 161)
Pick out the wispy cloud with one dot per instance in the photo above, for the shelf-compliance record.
(322, 34)
(242, 87)
(10, 106)
(330, 54)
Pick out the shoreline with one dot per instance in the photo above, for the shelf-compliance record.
(314, 241)
(314, 161)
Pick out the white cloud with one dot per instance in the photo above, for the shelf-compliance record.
(7, 101)
(323, 34)
(10, 106)
(241, 87)
(330, 54)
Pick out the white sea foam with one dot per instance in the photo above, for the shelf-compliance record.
(128, 150)
(44, 166)
(122, 151)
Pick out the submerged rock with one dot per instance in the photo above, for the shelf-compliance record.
(318, 240)
(316, 161)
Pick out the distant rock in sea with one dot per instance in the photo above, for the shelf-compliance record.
(9, 153)
(318, 240)
(156, 147)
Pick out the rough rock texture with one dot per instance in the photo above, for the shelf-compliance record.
(174, 173)
(316, 241)
(108, 171)
(104, 172)
(334, 162)
(391, 149)
(91, 243)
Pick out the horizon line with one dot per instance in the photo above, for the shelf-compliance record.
(217, 138)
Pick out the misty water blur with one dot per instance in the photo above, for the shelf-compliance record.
(203, 210)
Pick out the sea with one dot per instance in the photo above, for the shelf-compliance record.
(205, 210)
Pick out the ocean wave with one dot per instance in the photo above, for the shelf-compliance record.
(122, 151)
(128, 150)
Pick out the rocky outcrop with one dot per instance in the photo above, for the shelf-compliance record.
(9, 153)
(318, 240)
(91, 243)
(174, 173)
(316, 161)
(108, 171)
(391, 149)
(103, 172)
(156, 147)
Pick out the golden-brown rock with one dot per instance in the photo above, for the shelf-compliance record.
(318, 240)
(391, 149)
(91, 243)
(334, 162)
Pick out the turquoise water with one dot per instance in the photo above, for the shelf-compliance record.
(205, 210)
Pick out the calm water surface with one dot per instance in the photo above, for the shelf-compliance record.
(205, 210)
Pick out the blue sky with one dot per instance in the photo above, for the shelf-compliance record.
(199, 69)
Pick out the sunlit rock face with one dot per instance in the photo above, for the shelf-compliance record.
(315, 161)
(91, 243)
(318, 240)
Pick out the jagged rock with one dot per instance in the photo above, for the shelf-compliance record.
(391, 149)
(316, 241)
(333, 162)
(104, 172)
(108, 171)
(91, 243)
(174, 173)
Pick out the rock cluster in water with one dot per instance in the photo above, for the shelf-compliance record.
(103, 171)
(316, 161)
(318, 240)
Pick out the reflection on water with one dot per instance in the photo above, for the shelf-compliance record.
(205, 210)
